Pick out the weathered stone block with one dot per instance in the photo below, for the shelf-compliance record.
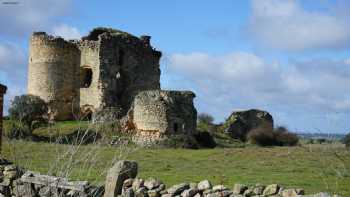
(116, 176)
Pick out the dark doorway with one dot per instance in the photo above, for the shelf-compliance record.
(85, 77)
(121, 57)
(176, 127)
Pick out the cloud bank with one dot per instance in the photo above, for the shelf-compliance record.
(287, 25)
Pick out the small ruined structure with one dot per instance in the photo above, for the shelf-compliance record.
(106, 69)
(159, 113)
(2, 92)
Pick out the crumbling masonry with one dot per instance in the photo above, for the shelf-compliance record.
(106, 69)
(2, 92)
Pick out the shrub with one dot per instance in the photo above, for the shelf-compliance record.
(28, 109)
(262, 136)
(321, 140)
(205, 140)
(177, 141)
(205, 118)
(14, 129)
(285, 138)
(346, 140)
(265, 136)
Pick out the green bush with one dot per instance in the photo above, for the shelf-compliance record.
(346, 140)
(285, 138)
(205, 139)
(28, 109)
(265, 136)
(177, 141)
(14, 129)
(205, 118)
(262, 136)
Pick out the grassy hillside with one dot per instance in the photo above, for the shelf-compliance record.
(314, 167)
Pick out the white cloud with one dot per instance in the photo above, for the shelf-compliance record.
(244, 80)
(286, 25)
(66, 32)
(12, 60)
(13, 69)
(18, 20)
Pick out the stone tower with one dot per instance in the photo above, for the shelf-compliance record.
(53, 73)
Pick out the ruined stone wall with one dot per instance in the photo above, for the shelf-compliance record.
(53, 73)
(90, 94)
(2, 92)
(128, 66)
(157, 113)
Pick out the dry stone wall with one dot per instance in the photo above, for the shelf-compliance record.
(122, 181)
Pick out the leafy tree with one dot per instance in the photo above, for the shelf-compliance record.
(205, 118)
(28, 109)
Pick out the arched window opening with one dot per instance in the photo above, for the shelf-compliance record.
(85, 77)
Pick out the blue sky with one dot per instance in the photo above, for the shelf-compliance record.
(289, 57)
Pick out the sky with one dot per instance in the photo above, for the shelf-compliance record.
(289, 57)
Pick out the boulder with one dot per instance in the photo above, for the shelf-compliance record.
(141, 192)
(240, 123)
(128, 183)
(152, 183)
(116, 176)
(189, 192)
(204, 185)
(271, 190)
(194, 186)
(258, 189)
(178, 189)
(218, 188)
(137, 184)
(239, 188)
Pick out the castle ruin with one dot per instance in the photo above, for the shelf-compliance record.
(2, 92)
(106, 69)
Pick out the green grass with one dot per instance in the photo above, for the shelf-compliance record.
(61, 128)
(315, 168)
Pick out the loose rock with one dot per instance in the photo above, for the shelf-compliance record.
(271, 190)
(239, 188)
(178, 189)
(204, 185)
(152, 183)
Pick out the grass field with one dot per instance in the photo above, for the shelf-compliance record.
(314, 168)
